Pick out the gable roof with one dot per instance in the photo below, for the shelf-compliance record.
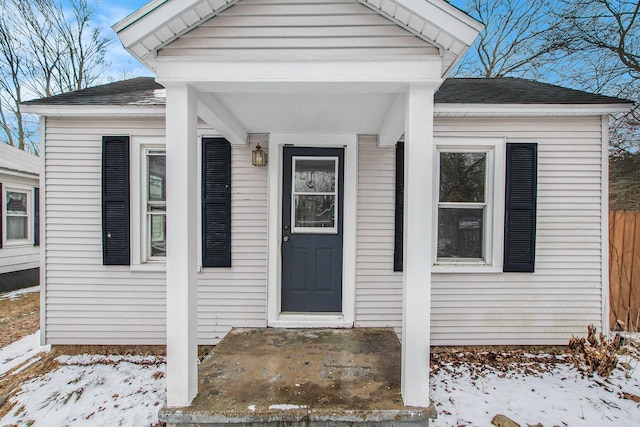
(13, 159)
(145, 91)
(160, 22)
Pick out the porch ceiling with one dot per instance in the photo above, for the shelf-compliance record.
(361, 113)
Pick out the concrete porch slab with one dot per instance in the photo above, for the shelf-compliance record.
(301, 377)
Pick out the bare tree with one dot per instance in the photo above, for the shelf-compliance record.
(46, 47)
(602, 39)
(513, 43)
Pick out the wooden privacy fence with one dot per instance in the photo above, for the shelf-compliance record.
(624, 269)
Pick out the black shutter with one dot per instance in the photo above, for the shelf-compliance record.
(399, 225)
(36, 216)
(115, 200)
(520, 208)
(216, 202)
(1, 214)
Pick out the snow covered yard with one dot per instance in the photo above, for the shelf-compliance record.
(469, 389)
(83, 390)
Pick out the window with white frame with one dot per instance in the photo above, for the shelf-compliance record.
(17, 218)
(155, 209)
(469, 206)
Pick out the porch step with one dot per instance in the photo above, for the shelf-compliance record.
(301, 377)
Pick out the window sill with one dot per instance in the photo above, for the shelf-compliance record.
(465, 268)
(22, 243)
(160, 267)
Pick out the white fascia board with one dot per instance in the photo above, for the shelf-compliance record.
(144, 32)
(141, 24)
(411, 70)
(17, 173)
(452, 20)
(527, 110)
(93, 111)
(137, 15)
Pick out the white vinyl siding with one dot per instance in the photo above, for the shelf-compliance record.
(302, 28)
(19, 170)
(559, 300)
(23, 256)
(87, 302)
(379, 289)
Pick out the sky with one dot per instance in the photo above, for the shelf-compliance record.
(108, 13)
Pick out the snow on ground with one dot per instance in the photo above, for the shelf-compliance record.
(21, 351)
(90, 390)
(93, 390)
(15, 294)
(562, 396)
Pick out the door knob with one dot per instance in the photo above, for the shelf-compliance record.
(285, 239)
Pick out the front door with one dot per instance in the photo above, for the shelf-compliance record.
(313, 182)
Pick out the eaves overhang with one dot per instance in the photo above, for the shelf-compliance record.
(527, 110)
(93, 111)
(18, 173)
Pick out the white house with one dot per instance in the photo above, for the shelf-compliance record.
(19, 221)
(459, 212)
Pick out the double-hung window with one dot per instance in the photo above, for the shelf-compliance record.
(17, 218)
(155, 183)
(462, 205)
(484, 197)
(469, 202)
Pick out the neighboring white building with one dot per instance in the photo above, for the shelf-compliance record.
(19, 221)
(486, 225)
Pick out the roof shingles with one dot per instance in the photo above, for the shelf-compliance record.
(145, 91)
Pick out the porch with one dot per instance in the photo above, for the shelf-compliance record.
(265, 376)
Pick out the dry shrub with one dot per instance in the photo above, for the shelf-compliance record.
(595, 354)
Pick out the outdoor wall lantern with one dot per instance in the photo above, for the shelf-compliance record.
(258, 156)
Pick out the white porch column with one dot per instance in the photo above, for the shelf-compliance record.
(182, 348)
(418, 241)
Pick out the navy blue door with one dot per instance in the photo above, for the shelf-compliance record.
(312, 201)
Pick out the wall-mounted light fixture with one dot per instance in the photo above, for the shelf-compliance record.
(258, 156)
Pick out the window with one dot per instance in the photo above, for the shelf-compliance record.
(17, 219)
(156, 205)
(314, 195)
(134, 207)
(462, 205)
(485, 201)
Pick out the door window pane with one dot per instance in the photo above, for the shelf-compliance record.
(315, 176)
(315, 211)
(314, 195)
(16, 216)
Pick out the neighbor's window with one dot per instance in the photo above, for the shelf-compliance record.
(17, 216)
(462, 206)
(156, 204)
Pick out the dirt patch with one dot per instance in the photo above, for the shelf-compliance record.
(19, 317)
(506, 361)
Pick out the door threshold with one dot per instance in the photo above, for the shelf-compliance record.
(310, 320)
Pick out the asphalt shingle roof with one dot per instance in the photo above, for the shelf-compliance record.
(505, 90)
(511, 90)
(137, 91)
